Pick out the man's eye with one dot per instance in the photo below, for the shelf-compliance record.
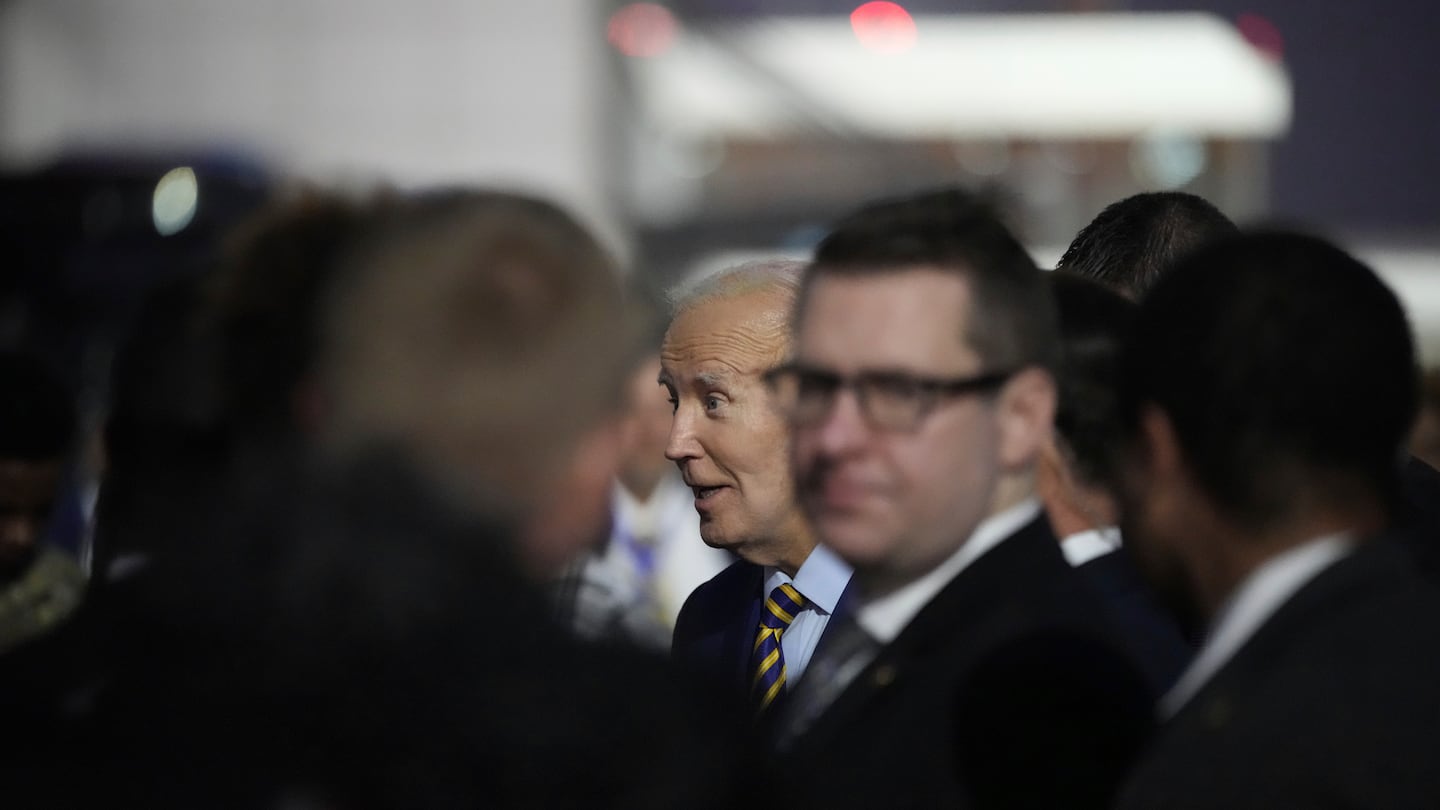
(713, 403)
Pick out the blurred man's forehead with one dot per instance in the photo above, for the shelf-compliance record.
(890, 320)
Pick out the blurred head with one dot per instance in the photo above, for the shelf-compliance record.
(726, 437)
(920, 392)
(1271, 379)
(267, 299)
(37, 426)
(1132, 242)
(482, 335)
(1093, 324)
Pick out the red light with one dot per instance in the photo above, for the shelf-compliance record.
(642, 29)
(883, 27)
(1261, 34)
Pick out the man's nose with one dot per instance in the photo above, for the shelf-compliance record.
(682, 443)
(843, 427)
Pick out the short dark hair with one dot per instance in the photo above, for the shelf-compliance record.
(1285, 365)
(37, 410)
(1094, 323)
(1012, 318)
(1132, 242)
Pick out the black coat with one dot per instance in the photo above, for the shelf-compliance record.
(1333, 703)
(1004, 691)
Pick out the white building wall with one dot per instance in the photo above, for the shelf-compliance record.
(357, 91)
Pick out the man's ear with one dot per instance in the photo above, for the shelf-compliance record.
(1159, 442)
(1052, 472)
(1025, 417)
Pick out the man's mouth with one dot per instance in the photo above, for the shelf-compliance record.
(701, 493)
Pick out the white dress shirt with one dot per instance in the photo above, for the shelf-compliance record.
(821, 579)
(1251, 604)
(1082, 547)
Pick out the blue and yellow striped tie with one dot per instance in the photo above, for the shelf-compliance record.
(769, 661)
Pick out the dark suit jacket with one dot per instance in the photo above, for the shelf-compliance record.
(1420, 515)
(1333, 703)
(716, 627)
(1004, 691)
(1152, 637)
(715, 630)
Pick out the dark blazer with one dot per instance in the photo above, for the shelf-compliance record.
(715, 630)
(1420, 514)
(1333, 703)
(1151, 636)
(1004, 691)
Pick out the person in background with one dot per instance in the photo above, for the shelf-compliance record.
(1270, 383)
(1076, 474)
(1134, 242)
(752, 629)
(1130, 244)
(634, 586)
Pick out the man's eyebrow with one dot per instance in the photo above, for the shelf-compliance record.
(711, 378)
(701, 378)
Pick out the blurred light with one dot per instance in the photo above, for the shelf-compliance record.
(1073, 158)
(983, 158)
(176, 196)
(1262, 34)
(883, 27)
(1167, 161)
(693, 158)
(642, 29)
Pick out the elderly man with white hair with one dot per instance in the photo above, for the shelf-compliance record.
(752, 628)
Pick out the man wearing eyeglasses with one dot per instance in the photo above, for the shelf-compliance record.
(976, 671)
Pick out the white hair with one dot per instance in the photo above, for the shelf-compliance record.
(762, 275)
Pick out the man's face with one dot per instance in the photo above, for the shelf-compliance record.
(728, 441)
(1158, 522)
(892, 503)
(27, 497)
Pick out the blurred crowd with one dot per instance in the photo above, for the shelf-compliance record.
(409, 501)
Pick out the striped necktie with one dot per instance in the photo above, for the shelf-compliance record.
(768, 659)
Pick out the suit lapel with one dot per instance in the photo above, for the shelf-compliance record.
(740, 637)
(1376, 568)
(956, 616)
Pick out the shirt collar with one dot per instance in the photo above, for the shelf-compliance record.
(821, 579)
(885, 617)
(1082, 547)
(1249, 606)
